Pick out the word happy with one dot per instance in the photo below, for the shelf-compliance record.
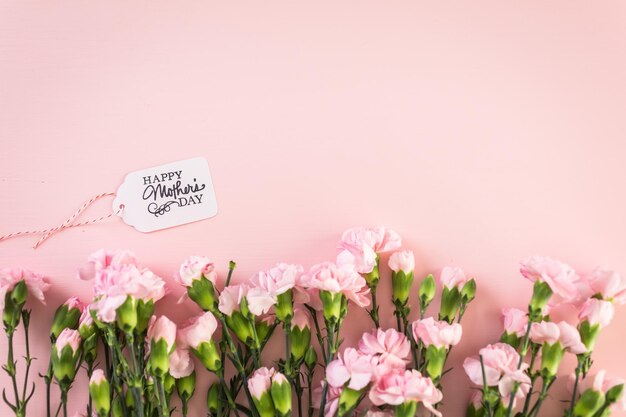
(170, 186)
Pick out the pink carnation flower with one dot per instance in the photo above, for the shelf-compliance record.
(597, 312)
(609, 284)
(200, 330)
(194, 268)
(507, 385)
(162, 329)
(561, 277)
(364, 243)
(352, 368)
(515, 321)
(181, 364)
(339, 279)
(278, 279)
(437, 333)
(332, 399)
(102, 259)
(498, 359)
(37, 284)
(398, 387)
(600, 383)
(391, 346)
(97, 377)
(403, 260)
(453, 277)
(259, 301)
(68, 337)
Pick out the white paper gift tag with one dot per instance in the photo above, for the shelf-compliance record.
(167, 195)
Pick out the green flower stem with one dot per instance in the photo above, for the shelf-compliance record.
(330, 351)
(525, 345)
(533, 377)
(89, 400)
(48, 380)
(577, 372)
(374, 311)
(487, 403)
(318, 331)
(229, 397)
(116, 380)
(309, 381)
(162, 399)
(64, 390)
(287, 329)
(542, 396)
(28, 359)
(134, 379)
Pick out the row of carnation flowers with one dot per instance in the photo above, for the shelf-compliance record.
(391, 371)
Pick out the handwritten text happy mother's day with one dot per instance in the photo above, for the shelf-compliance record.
(169, 185)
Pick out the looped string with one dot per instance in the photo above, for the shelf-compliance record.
(67, 224)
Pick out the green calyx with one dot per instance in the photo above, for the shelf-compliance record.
(202, 292)
(284, 306)
(551, 356)
(281, 397)
(264, 405)
(435, 360)
(427, 290)
(401, 283)
(159, 357)
(541, 295)
(348, 400)
(450, 304)
(300, 341)
(64, 318)
(213, 398)
(64, 364)
(186, 386)
(100, 395)
(406, 409)
(310, 358)
(209, 356)
(589, 334)
(241, 325)
(372, 278)
(126, 315)
(334, 306)
(589, 403)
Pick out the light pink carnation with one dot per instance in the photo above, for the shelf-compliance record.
(398, 387)
(453, 277)
(181, 364)
(278, 279)
(339, 279)
(162, 329)
(68, 337)
(403, 260)
(601, 383)
(200, 330)
(561, 277)
(609, 284)
(498, 359)
(97, 377)
(196, 267)
(437, 333)
(332, 399)
(37, 284)
(597, 312)
(508, 382)
(259, 301)
(351, 367)
(364, 243)
(563, 332)
(391, 346)
(515, 321)
(102, 259)
(300, 318)
(260, 382)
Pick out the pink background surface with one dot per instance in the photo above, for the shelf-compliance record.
(483, 133)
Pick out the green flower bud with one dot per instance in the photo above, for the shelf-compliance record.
(127, 315)
(65, 317)
(406, 409)
(332, 305)
(169, 383)
(19, 294)
(348, 400)
(213, 398)
(468, 292)
(310, 358)
(588, 403)
(589, 334)
(145, 309)
(551, 355)
(427, 291)
(435, 360)
(284, 306)
(130, 401)
(10, 314)
(264, 405)
(614, 394)
(65, 355)
(159, 357)
(401, 283)
(450, 304)
(541, 295)
(511, 339)
(99, 389)
(202, 292)
(241, 326)
(186, 386)
(280, 391)
(300, 341)
(264, 328)
(117, 410)
(209, 356)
